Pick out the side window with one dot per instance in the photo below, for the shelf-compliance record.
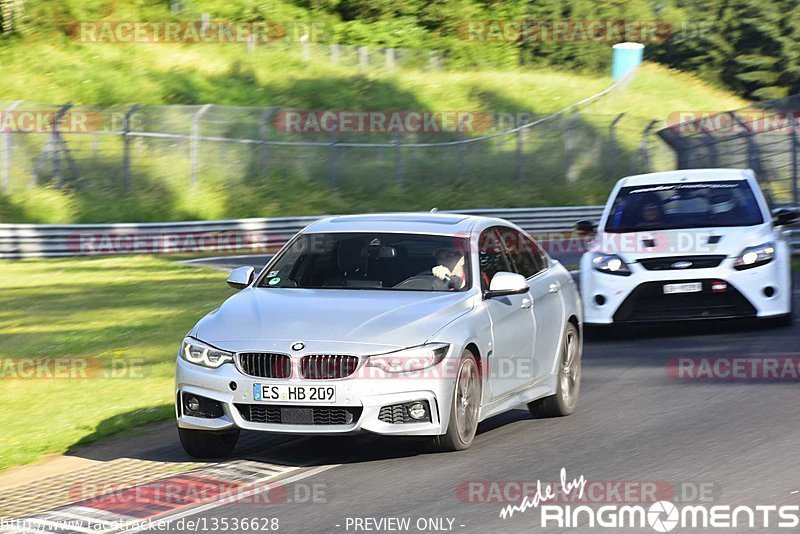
(525, 253)
(492, 256)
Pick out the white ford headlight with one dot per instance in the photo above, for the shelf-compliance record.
(754, 256)
(197, 352)
(411, 359)
(611, 264)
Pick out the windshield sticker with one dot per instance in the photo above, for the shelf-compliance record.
(272, 274)
(274, 281)
(672, 187)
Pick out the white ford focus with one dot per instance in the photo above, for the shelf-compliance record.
(687, 244)
(404, 324)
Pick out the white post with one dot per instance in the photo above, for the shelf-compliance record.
(390, 59)
(363, 58)
(194, 144)
(334, 54)
(7, 151)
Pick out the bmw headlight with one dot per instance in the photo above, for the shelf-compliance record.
(197, 352)
(411, 359)
(611, 264)
(754, 256)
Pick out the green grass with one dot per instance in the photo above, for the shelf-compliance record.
(128, 313)
(297, 181)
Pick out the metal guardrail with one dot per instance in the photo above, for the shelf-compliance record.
(19, 241)
(228, 237)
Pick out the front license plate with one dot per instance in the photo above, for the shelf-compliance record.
(297, 416)
(299, 394)
(693, 287)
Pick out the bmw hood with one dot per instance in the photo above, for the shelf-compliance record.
(729, 242)
(258, 318)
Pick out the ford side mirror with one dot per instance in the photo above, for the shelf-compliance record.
(784, 216)
(241, 277)
(585, 226)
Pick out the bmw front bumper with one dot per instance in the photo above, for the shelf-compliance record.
(357, 408)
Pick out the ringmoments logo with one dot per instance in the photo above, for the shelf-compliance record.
(660, 516)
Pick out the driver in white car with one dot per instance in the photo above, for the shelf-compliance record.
(450, 268)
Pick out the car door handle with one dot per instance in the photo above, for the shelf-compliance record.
(527, 302)
(555, 287)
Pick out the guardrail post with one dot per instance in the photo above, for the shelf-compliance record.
(8, 150)
(126, 148)
(194, 144)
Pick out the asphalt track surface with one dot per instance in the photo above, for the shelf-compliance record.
(733, 442)
(638, 427)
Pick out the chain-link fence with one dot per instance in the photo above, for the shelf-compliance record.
(120, 149)
(764, 137)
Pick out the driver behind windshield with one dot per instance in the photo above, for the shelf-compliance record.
(450, 268)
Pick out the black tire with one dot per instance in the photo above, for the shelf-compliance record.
(208, 444)
(457, 438)
(563, 402)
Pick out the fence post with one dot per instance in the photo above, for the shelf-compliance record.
(54, 145)
(569, 147)
(7, 150)
(126, 148)
(306, 51)
(363, 58)
(709, 142)
(612, 142)
(795, 148)
(643, 152)
(194, 144)
(334, 163)
(334, 54)
(433, 60)
(264, 127)
(520, 171)
(390, 59)
(399, 164)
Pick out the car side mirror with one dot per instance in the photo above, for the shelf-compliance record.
(241, 277)
(784, 216)
(585, 226)
(504, 284)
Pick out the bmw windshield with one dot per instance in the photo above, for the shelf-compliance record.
(382, 261)
(684, 205)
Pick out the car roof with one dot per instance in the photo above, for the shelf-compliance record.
(687, 175)
(411, 223)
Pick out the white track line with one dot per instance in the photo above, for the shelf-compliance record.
(217, 504)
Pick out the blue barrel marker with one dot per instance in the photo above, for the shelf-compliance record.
(627, 56)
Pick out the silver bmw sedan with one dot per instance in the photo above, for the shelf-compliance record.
(397, 324)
